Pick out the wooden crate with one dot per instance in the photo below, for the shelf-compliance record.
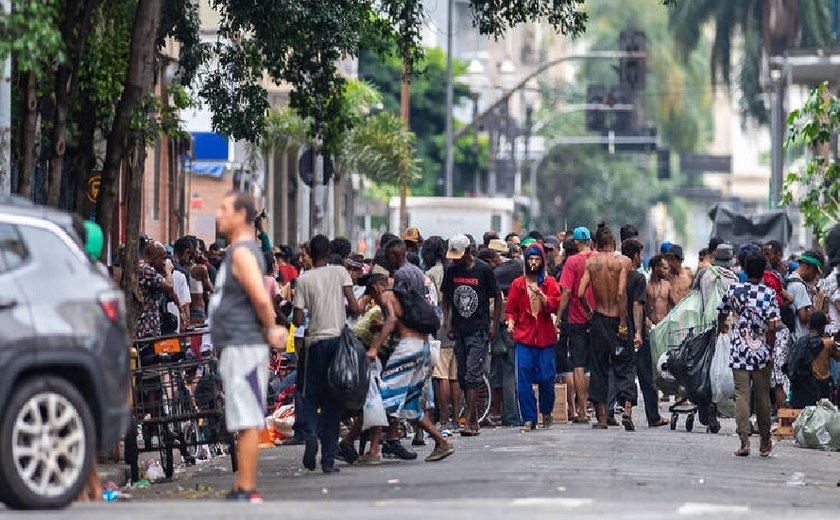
(787, 416)
(560, 413)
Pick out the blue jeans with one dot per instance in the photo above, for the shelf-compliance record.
(535, 365)
(325, 426)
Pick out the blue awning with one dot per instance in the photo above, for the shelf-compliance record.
(207, 168)
(210, 146)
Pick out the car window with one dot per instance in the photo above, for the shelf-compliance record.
(13, 250)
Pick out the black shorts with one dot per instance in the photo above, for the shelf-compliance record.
(470, 353)
(562, 359)
(579, 345)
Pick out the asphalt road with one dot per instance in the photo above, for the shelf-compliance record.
(569, 470)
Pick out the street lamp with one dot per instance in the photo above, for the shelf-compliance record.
(531, 94)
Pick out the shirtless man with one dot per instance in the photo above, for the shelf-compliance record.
(404, 375)
(607, 272)
(659, 297)
(681, 277)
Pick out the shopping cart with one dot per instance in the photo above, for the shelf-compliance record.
(178, 402)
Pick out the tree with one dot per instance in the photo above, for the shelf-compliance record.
(768, 28)
(581, 188)
(381, 149)
(816, 188)
(300, 42)
(427, 105)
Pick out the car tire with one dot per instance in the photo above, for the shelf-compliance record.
(37, 400)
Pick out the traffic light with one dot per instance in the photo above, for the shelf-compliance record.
(632, 71)
(596, 118)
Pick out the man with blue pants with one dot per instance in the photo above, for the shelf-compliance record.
(532, 299)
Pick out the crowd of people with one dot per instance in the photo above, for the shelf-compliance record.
(573, 307)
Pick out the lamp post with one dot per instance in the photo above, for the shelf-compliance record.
(450, 101)
(530, 94)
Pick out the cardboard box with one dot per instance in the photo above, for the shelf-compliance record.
(560, 413)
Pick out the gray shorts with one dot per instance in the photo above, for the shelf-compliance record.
(470, 353)
(244, 371)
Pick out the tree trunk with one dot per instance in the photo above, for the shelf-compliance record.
(27, 142)
(129, 283)
(84, 159)
(138, 84)
(74, 31)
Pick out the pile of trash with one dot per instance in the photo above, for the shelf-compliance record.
(818, 427)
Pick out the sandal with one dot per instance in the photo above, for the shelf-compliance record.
(470, 433)
(598, 426)
(627, 422)
(743, 452)
(661, 422)
(581, 419)
(766, 448)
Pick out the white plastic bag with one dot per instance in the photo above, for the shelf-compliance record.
(723, 383)
(434, 352)
(284, 420)
(154, 471)
(373, 413)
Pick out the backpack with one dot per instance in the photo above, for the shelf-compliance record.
(417, 313)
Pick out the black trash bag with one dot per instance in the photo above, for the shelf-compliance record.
(690, 364)
(348, 375)
(417, 313)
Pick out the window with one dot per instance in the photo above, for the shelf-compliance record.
(12, 248)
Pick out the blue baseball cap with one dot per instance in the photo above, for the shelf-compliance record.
(665, 247)
(582, 233)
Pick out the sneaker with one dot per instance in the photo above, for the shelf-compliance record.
(240, 495)
(441, 452)
(347, 453)
(527, 426)
(309, 453)
(548, 421)
(366, 459)
(395, 450)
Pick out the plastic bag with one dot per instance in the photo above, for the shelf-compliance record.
(818, 427)
(434, 352)
(348, 376)
(690, 363)
(723, 382)
(284, 420)
(154, 471)
(373, 414)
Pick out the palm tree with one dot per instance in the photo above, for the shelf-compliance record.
(383, 150)
(768, 28)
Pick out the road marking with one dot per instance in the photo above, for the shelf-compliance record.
(570, 503)
(695, 508)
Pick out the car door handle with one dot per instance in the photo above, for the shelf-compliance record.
(6, 304)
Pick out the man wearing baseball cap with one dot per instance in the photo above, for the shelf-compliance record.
(467, 288)
(578, 325)
(801, 287)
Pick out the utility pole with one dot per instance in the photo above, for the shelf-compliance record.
(404, 111)
(6, 117)
(777, 136)
(450, 101)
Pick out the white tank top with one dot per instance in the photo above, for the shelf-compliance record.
(196, 287)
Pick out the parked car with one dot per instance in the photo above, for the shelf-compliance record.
(64, 358)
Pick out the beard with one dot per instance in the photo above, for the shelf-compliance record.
(531, 269)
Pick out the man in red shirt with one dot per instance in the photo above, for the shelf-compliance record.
(287, 271)
(532, 299)
(578, 319)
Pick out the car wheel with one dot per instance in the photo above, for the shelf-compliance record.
(47, 440)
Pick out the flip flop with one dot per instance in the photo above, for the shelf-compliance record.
(470, 433)
(661, 422)
(627, 422)
(581, 420)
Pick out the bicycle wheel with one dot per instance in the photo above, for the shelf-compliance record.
(483, 402)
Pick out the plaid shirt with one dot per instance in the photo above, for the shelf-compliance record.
(755, 307)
